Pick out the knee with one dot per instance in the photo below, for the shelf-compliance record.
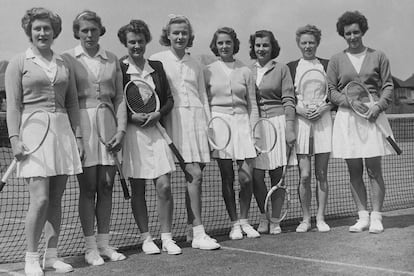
(373, 172)
(321, 175)
(305, 177)
(40, 202)
(245, 180)
(164, 190)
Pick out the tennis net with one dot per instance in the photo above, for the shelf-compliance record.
(398, 174)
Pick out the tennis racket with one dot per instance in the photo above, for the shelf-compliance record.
(107, 127)
(218, 133)
(312, 92)
(140, 97)
(278, 198)
(33, 132)
(264, 135)
(360, 100)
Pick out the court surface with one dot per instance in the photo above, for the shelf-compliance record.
(337, 252)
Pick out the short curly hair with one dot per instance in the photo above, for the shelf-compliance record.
(273, 42)
(349, 18)
(229, 31)
(176, 19)
(88, 16)
(311, 30)
(135, 26)
(41, 13)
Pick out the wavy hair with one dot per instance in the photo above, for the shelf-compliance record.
(135, 26)
(273, 42)
(229, 31)
(349, 18)
(88, 16)
(41, 13)
(176, 19)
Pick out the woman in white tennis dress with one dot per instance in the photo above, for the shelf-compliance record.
(232, 97)
(370, 67)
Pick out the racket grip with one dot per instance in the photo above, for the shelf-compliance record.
(8, 172)
(181, 162)
(125, 189)
(394, 145)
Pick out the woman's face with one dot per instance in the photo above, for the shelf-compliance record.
(42, 34)
(353, 36)
(307, 44)
(89, 33)
(136, 45)
(263, 49)
(179, 35)
(225, 47)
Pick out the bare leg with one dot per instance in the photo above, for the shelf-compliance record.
(277, 197)
(359, 192)
(106, 176)
(87, 186)
(193, 194)
(377, 182)
(259, 188)
(304, 188)
(165, 202)
(321, 173)
(246, 188)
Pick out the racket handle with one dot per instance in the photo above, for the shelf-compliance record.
(181, 162)
(8, 172)
(394, 145)
(121, 178)
(125, 189)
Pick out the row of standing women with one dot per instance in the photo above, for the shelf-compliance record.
(71, 85)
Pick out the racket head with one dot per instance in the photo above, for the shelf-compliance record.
(140, 97)
(264, 135)
(106, 123)
(313, 88)
(218, 133)
(34, 130)
(356, 93)
(277, 204)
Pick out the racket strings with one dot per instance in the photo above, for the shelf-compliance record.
(313, 88)
(357, 94)
(34, 130)
(139, 103)
(106, 123)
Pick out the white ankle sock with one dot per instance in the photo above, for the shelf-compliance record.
(198, 231)
(166, 236)
(102, 240)
(90, 243)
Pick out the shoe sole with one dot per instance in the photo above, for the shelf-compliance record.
(152, 252)
(173, 253)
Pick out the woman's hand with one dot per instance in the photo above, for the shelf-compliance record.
(115, 144)
(139, 119)
(290, 133)
(373, 113)
(18, 148)
(152, 119)
(316, 114)
(81, 148)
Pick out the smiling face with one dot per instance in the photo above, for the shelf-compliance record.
(179, 35)
(353, 36)
(136, 45)
(263, 49)
(225, 47)
(307, 44)
(42, 34)
(89, 33)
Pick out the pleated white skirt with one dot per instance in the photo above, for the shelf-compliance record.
(187, 127)
(278, 156)
(146, 155)
(241, 144)
(322, 134)
(356, 137)
(95, 151)
(58, 155)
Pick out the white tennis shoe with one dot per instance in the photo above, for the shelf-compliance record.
(32, 268)
(111, 253)
(205, 242)
(149, 247)
(376, 226)
(249, 230)
(236, 232)
(92, 257)
(322, 226)
(169, 246)
(274, 229)
(263, 226)
(55, 264)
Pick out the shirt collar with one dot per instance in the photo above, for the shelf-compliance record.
(79, 51)
(133, 69)
(268, 65)
(31, 55)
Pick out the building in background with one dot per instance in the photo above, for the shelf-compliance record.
(403, 96)
(3, 65)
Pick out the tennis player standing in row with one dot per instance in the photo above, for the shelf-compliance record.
(146, 154)
(186, 124)
(98, 79)
(276, 101)
(41, 79)
(308, 38)
(232, 97)
(371, 67)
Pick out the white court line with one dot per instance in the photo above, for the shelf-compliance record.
(319, 261)
(12, 273)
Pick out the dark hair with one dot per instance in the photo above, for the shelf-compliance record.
(273, 42)
(229, 31)
(135, 26)
(88, 16)
(41, 13)
(311, 30)
(176, 19)
(349, 18)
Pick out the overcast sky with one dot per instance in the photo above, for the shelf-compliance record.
(391, 24)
